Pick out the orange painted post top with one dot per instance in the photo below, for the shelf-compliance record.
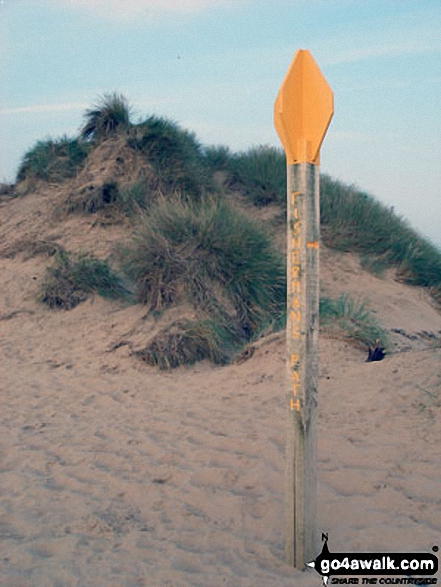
(303, 110)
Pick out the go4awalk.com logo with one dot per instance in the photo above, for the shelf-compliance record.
(371, 566)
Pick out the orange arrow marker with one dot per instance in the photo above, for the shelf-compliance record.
(303, 110)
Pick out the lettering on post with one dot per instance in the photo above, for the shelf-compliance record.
(295, 311)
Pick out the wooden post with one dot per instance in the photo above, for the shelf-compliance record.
(302, 113)
(302, 362)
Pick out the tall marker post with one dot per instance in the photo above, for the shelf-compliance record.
(302, 114)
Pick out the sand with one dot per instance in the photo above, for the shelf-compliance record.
(114, 474)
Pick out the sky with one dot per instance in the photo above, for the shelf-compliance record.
(215, 67)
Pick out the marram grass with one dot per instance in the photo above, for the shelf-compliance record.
(70, 281)
(211, 256)
(109, 115)
(53, 160)
(351, 319)
(355, 221)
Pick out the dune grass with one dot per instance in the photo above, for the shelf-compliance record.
(192, 247)
(259, 173)
(53, 160)
(217, 157)
(117, 201)
(185, 342)
(70, 281)
(355, 221)
(176, 155)
(203, 252)
(351, 219)
(213, 257)
(93, 198)
(109, 115)
(133, 199)
(351, 319)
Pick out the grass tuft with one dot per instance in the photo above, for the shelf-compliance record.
(133, 199)
(53, 160)
(110, 115)
(93, 198)
(185, 342)
(212, 256)
(70, 281)
(175, 154)
(352, 320)
(218, 157)
(115, 200)
(260, 173)
(209, 254)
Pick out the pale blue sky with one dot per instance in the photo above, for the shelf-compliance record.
(215, 66)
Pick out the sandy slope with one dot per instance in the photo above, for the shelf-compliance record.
(116, 475)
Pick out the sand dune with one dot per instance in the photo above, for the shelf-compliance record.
(114, 474)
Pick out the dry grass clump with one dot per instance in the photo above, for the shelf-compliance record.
(116, 202)
(59, 289)
(115, 179)
(185, 342)
(61, 292)
(126, 171)
(92, 198)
